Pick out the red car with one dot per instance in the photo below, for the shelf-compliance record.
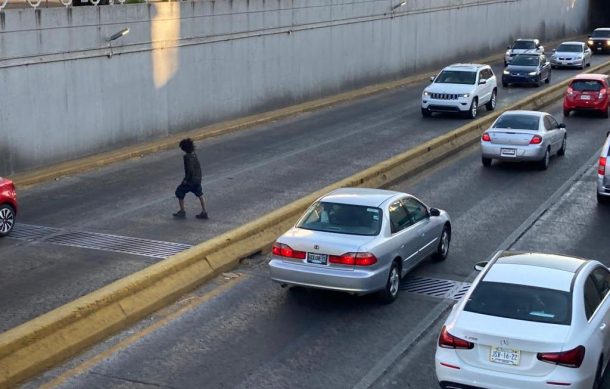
(587, 92)
(8, 206)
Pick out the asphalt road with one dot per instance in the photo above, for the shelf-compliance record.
(251, 333)
(246, 175)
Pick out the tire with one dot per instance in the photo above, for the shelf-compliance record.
(7, 219)
(564, 145)
(425, 112)
(473, 110)
(543, 164)
(390, 292)
(504, 84)
(597, 384)
(566, 112)
(548, 79)
(442, 251)
(486, 161)
(491, 104)
(602, 199)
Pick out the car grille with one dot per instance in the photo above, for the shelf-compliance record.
(444, 96)
(565, 59)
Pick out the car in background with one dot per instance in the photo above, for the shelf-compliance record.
(522, 46)
(603, 174)
(599, 40)
(588, 92)
(529, 320)
(527, 69)
(8, 206)
(461, 88)
(360, 241)
(571, 54)
(518, 136)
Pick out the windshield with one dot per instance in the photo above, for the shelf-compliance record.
(521, 302)
(522, 45)
(586, 85)
(518, 122)
(601, 34)
(456, 77)
(570, 48)
(526, 60)
(342, 219)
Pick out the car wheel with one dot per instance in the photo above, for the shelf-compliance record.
(562, 150)
(7, 219)
(486, 161)
(472, 112)
(566, 112)
(544, 163)
(425, 112)
(491, 104)
(390, 292)
(597, 384)
(442, 251)
(602, 199)
(548, 78)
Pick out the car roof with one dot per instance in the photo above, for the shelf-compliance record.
(524, 112)
(572, 43)
(591, 76)
(465, 66)
(602, 29)
(535, 269)
(526, 39)
(359, 196)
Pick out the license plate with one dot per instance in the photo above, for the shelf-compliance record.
(319, 259)
(585, 97)
(505, 356)
(508, 152)
(599, 49)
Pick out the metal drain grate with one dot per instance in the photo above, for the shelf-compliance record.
(435, 287)
(96, 241)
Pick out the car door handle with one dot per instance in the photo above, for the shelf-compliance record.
(602, 327)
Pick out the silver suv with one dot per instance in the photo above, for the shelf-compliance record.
(603, 174)
(522, 46)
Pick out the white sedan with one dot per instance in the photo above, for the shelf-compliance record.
(528, 321)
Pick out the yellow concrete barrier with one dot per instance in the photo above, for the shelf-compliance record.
(47, 340)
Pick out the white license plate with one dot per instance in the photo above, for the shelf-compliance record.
(585, 97)
(319, 259)
(508, 152)
(599, 49)
(505, 356)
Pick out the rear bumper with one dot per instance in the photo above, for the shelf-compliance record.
(523, 153)
(585, 105)
(354, 281)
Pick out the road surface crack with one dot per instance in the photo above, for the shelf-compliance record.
(154, 384)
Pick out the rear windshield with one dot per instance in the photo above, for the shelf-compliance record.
(524, 45)
(456, 77)
(526, 60)
(521, 302)
(569, 48)
(342, 219)
(587, 85)
(518, 122)
(601, 34)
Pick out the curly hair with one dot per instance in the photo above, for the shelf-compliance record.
(187, 145)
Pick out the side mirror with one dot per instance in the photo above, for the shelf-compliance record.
(562, 125)
(480, 265)
(435, 212)
(554, 50)
(507, 47)
(432, 78)
(482, 82)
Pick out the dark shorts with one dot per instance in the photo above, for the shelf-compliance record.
(183, 189)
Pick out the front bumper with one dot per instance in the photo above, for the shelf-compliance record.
(354, 281)
(522, 153)
(438, 105)
(520, 79)
(599, 47)
(575, 63)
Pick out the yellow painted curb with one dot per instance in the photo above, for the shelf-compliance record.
(97, 161)
(45, 341)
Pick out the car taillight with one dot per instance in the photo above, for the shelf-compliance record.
(353, 259)
(602, 166)
(446, 340)
(570, 91)
(536, 140)
(571, 358)
(602, 93)
(486, 137)
(283, 250)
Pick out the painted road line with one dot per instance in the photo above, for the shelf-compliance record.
(428, 322)
(97, 241)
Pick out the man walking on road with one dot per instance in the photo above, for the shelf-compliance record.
(192, 179)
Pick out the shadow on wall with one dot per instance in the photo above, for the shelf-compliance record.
(600, 13)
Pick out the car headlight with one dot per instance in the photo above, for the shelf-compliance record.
(590, 42)
(607, 43)
(426, 93)
(532, 73)
(506, 72)
(466, 95)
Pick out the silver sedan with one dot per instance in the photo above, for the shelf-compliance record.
(360, 241)
(524, 136)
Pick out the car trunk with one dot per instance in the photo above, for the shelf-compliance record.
(511, 136)
(526, 338)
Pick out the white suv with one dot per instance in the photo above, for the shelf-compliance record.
(603, 173)
(461, 88)
(522, 46)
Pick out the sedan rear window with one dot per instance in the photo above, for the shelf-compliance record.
(601, 34)
(342, 219)
(456, 77)
(522, 45)
(521, 302)
(587, 85)
(518, 122)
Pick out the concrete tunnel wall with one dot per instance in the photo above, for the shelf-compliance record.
(187, 64)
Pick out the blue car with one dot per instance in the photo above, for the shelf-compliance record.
(527, 69)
